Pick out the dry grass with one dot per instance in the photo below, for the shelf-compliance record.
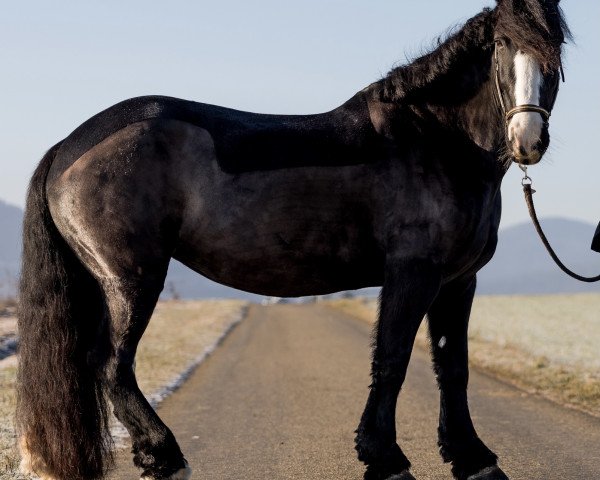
(543, 344)
(178, 334)
(8, 452)
(546, 344)
(8, 303)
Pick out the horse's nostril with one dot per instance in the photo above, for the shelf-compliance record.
(537, 147)
(522, 151)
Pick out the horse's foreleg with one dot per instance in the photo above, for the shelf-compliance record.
(448, 321)
(408, 290)
(155, 449)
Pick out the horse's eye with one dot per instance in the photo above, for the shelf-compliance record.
(500, 43)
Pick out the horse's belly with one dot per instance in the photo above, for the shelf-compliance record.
(288, 238)
(272, 265)
(282, 277)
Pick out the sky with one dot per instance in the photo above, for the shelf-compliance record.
(62, 62)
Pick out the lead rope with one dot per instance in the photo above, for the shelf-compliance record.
(528, 190)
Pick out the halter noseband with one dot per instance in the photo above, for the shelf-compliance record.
(508, 115)
(528, 108)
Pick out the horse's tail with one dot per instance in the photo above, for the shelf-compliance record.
(62, 416)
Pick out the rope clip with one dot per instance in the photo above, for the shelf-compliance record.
(526, 180)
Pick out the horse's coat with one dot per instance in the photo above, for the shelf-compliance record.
(399, 187)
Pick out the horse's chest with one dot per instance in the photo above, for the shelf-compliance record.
(471, 243)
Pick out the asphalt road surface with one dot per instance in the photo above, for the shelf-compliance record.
(280, 399)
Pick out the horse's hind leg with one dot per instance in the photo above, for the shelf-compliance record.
(408, 290)
(448, 321)
(130, 303)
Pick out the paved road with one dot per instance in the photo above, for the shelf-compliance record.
(282, 396)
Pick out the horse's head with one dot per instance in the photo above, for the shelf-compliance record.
(527, 66)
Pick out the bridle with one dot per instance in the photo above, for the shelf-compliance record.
(526, 182)
(527, 107)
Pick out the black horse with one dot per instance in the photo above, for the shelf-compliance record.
(399, 187)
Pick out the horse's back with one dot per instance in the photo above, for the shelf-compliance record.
(244, 141)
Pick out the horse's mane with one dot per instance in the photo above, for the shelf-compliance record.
(537, 27)
(451, 54)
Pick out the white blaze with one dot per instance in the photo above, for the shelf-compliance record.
(525, 128)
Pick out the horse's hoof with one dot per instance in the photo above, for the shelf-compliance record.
(184, 473)
(405, 475)
(489, 473)
(384, 474)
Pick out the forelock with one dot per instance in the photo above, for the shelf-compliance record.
(536, 27)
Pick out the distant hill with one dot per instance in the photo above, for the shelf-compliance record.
(11, 218)
(185, 283)
(520, 266)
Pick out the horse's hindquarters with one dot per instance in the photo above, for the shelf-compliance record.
(119, 206)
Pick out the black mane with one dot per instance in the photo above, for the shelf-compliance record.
(536, 27)
(448, 60)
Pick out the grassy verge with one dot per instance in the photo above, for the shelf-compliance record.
(8, 303)
(542, 344)
(179, 334)
(8, 454)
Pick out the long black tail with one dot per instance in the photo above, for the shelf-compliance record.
(61, 408)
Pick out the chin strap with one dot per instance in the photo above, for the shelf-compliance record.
(529, 191)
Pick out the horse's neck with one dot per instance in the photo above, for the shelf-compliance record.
(481, 119)
(478, 127)
(478, 116)
(477, 119)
